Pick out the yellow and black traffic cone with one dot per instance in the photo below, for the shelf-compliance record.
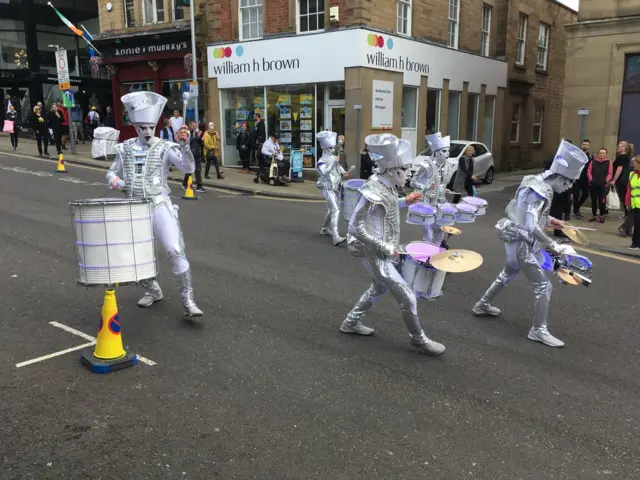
(189, 192)
(109, 355)
(61, 168)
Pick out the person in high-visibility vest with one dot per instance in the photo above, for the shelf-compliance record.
(633, 202)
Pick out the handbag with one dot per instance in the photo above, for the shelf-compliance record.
(8, 126)
(475, 192)
(613, 201)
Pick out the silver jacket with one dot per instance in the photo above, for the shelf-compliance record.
(428, 180)
(330, 171)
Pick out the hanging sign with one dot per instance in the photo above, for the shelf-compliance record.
(193, 89)
(62, 66)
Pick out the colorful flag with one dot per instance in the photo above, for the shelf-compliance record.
(66, 21)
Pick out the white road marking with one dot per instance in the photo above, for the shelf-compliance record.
(93, 339)
(53, 355)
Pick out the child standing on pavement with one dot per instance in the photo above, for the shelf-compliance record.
(600, 172)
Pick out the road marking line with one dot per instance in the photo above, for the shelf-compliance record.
(609, 255)
(281, 199)
(53, 355)
(93, 339)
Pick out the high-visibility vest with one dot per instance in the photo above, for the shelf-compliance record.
(634, 186)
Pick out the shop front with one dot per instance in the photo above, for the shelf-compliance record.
(381, 83)
(157, 61)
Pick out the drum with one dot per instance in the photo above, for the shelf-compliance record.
(466, 213)
(424, 280)
(480, 203)
(446, 214)
(114, 241)
(421, 214)
(545, 260)
(351, 193)
(579, 262)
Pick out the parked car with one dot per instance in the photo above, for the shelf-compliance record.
(483, 167)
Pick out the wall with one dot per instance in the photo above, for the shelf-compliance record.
(113, 22)
(598, 9)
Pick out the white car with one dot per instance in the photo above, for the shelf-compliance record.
(483, 167)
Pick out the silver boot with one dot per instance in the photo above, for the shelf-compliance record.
(357, 328)
(425, 344)
(153, 293)
(185, 285)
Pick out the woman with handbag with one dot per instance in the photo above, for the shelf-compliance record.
(12, 124)
(211, 138)
(464, 176)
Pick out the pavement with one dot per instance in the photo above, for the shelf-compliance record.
(265, 387)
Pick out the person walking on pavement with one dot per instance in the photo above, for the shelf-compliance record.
(260, 137)
(41, 129)
(367, 164)
(464, 176)
(581, 187)
(13, 116)
(599, 173)
(632, 200)
(109, 118)
(176, 122)
(93, 121)
(196, 145)
(622, 168)
(55, 124)
(243, 145)
(211, 138)
(76, 123)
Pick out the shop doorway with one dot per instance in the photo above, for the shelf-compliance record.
(337, 116)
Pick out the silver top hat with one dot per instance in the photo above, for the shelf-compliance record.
(326, 139)
(569, 161)
(144, 108)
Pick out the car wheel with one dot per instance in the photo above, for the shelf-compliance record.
(453, 179)
(488, 178)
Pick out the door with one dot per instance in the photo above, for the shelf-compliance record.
(337, 119)
(411, 135)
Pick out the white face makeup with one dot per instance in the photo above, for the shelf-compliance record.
(440, 157)
(397, 176)
(560, 183)
(145, 133)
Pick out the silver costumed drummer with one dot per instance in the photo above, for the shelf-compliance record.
(374, 233)
(140, 169)
(522, 232)
(330, 175)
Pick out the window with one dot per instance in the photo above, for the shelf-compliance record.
(433, 111)
(250, 19)
(543, 47)
(453, 115)
(310, 16)
(521, 39)
(178, 10)
(472, 116)
(409, 107)
(485, 31)
(537, 124)
(152, 11)
(129, 13)
(404, 17)
(515, 123)
(487, 131)
(479, 149)
(454, 16)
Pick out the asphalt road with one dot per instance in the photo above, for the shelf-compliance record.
(265, 387)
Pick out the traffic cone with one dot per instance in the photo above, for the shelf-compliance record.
(189, 192)
(60, 168)
(109, 355)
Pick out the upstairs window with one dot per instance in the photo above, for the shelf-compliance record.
(152, 11)
(485, 30)
(310, 16)
(129, 13)
(543, 48)
(404, 17)
(250, 19)
(454, 23)
(521, 39)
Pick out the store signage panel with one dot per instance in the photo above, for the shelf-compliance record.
(382, 105)
(295, 60)
(141, 46)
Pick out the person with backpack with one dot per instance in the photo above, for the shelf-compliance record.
(93, 121)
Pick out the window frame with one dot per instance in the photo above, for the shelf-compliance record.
(539, 125)
(260, 22)
(455, 22)
(133, 13)
(485, 35)
(544, 48)
(298, 15)
(155, 12)
(409, 7)
(517, 108)
(522, 40)
(174, 8)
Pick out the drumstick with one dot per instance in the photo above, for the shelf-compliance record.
(580, 228)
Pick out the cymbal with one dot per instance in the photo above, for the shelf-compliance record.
(451, 230)
(576, 235)
(565, 276)
(456, 261)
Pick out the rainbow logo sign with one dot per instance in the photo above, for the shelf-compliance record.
(227, 52)
(378, 41)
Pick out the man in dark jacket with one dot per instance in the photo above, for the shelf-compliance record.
(260, 137)
(196, 145)
(581, 187)
(243, 145)
(366, 164)
(560, 207)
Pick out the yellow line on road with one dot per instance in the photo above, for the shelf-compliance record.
(609, 255)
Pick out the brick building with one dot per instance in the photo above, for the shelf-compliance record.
(603, 73)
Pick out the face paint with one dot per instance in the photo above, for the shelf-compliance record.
(560, 183)
(145, 133)
(397, 176)
(440, 157)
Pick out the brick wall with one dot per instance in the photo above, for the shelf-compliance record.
(277, 19)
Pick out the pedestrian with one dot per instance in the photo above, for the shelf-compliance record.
(367, 164)
(464, 176)
(581, 187)
(93, 121)
(243, 145)
(41, 129)
(632, 200)
(166, 132)
(600, 173)
(76, 122)
(176, 122)
(622, 168)
(211, 138)
(109, 118)
(16, 122)
(55, 119)
(260, 137)
(196, 145)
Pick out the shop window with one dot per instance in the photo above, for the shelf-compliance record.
(433, 111)
(129, 87)
(152, 11)
(409, 107)
(173, 90)
(630, 107)
(129, 13)
(472, 116)
(487, 131)
(538, 117)
(240, 105)
(13, 53)
(454, 23)
(453, 115)
(632, 73)
(485, 30)
(543, 47)
(515, 123)
(404, 17)
(521, 39)
(310, 16)
(336, 91)
(250, 19)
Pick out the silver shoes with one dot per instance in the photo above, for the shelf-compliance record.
(152, 295)
(485, 309)
(185, 285)
(427, 345)
(542, 335)
(357, 328)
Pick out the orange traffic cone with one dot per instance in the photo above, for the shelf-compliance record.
(109, 355)
(189, 192)
(60, 168)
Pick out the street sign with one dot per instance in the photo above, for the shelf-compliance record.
(583, 112)
(193, 89)
(62, 66)
(357, 107)
(67, 99)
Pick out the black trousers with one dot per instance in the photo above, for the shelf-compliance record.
(14, 139)
(42, 139)
(468, 187)
(197, 173)
(636, 227)
(621, 188)
(212, 160)
(244, 158)
(598, 199)
(57, 136)
(580, 195)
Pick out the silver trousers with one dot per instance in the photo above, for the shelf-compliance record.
(332, 217)
(520, 257)
(386, 277)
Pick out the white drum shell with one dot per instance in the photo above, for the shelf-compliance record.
(350, 201)
(466, 217)
(445, 218)
(425, 281)
(414, 218)
(114, 241)
(481, 208)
